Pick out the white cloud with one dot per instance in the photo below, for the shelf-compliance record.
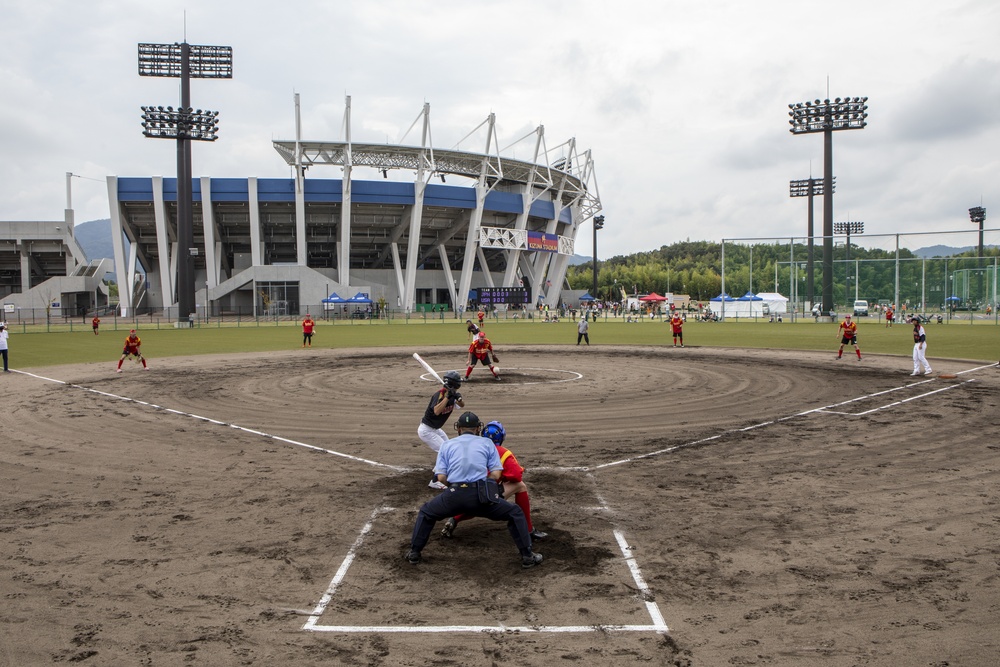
(683, 104)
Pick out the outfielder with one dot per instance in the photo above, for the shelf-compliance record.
(919, 347)
(677, 325)
(481, 351)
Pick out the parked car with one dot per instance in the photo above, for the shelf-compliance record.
(861, 307)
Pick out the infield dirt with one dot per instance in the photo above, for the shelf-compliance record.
(769, 532)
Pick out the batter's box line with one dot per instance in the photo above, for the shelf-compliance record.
(896, 403)
(312, 624)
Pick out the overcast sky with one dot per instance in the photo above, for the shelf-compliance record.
(684, 103)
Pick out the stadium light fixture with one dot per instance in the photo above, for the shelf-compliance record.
(184, 124)
(978, 216)
(847, 113)
(809, 187)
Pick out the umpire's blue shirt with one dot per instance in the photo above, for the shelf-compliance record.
(467, 458)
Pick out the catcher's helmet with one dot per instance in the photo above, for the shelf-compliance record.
(495, 432)
(452, 380)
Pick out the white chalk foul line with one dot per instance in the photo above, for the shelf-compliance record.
(906, 400)
(245, 429)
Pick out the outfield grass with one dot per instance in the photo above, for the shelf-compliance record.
(955, 340)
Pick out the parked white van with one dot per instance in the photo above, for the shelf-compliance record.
(861, 307)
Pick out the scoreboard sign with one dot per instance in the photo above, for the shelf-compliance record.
(498, 295)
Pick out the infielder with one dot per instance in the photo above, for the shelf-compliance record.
(481, 351)
(850, 335)
(919, 347)
(132, 343)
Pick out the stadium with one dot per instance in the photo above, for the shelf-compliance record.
(276, 245)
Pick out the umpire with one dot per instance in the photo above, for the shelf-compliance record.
(462, 463)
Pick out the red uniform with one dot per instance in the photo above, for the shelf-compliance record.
(132, 343)
(512, 473)
(307, 331)
(850, 336)
(888, 317)
(677, 324)
(481, 315)
(481, 351)
(96, 322)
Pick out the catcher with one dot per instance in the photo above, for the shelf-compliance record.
(481, 350)
(513, 489)
(132, 343)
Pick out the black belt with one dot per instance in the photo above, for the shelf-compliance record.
(463, 485)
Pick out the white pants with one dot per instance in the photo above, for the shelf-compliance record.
(920, 358)
(432, 437)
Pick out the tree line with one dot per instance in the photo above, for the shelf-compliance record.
(695, 268)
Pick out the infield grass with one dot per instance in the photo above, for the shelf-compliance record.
(28, 349)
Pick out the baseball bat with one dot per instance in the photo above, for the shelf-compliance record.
(428, 367)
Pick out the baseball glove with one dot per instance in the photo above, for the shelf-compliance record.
(496, 359)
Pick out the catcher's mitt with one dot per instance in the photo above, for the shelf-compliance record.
(496, 359)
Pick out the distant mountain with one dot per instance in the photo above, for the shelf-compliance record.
(95, 238)
(944, 250)
(576, 260)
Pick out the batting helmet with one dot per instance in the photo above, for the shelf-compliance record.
(452, 380)
(495, 432)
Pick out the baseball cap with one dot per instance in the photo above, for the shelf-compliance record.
(847, 317)
(468, 420)
(482, 334)
(132, 331)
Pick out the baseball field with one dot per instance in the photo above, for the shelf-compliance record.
(745, 500)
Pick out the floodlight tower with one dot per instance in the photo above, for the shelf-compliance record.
(848, 113)
(184, 124)
(978, 216)
(598, 224)
(848, 228)
(809, 187)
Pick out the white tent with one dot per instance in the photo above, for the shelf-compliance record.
(775, 302)
(748, 305)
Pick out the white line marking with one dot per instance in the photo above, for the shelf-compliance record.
(222, 423)
(341, 571)
(912, 398)
(312, 624)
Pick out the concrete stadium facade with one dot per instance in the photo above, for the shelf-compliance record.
(405, 243)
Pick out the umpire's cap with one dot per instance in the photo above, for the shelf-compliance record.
(468, 420)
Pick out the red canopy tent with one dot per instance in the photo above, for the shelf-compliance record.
(652, 296)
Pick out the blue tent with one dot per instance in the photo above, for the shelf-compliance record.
(334, 298)
(587, 297)
(952, 298)
(359, 298)
(723, 297)
(749, 296)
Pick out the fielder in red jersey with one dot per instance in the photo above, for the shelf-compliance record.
(481, 351)
(849, 335)
(132, 343)
(677, 324)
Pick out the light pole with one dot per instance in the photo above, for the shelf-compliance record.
(848, 228)
(183, 124)
(809, 187)
(849, 113)
(978, 216)
(598, 224)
